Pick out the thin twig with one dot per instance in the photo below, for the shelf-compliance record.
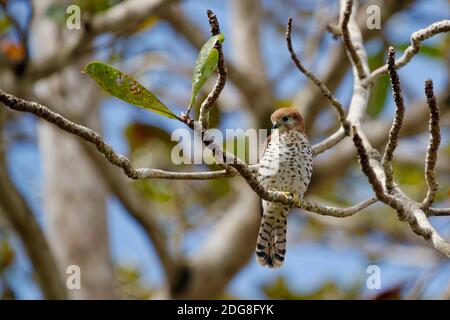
(309, 205)
(438, 212)
(396, 124)
(326, 92)
(416, 43)
(335, 30)
(93, 137)
(435, 139)
(329, 142)
(208, 103)
(349, 46)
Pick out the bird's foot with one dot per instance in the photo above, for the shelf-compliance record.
(294, 199)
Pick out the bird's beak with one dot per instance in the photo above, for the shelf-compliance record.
(276, 125)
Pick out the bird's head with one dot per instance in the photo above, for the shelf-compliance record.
(285, 119)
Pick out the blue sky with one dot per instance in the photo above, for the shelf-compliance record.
(309, 264)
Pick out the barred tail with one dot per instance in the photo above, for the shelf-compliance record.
(271, 243)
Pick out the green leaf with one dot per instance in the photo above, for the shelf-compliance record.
(124, 87)
(205, 65)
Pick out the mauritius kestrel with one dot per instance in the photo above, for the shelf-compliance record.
(286, 166)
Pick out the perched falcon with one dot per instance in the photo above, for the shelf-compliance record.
(285, 165)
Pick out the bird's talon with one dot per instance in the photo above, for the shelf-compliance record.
(293, 198)
(296, 198)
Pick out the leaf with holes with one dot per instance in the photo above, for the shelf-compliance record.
(124, 87)
(205, 65)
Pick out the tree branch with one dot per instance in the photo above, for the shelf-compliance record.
(435, 139)
(208, 103)
(407, 209)
(416, 43)
(325, 91)
(309, 205)
(349, 45)
(313, 101)
(377, 132)
(396, 124)
(329, 142)
(438, 212)
(93, 137)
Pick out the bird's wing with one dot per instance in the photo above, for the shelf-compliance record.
(263, 146)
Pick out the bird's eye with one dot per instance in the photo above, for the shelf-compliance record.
(285, 118)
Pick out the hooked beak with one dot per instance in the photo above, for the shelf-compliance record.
(276, 125)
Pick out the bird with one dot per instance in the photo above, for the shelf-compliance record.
(285, 166)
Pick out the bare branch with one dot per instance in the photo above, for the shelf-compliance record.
(396, 124)
(222, 75)
(438, 212)
(349, 45)
(335, 30)
(93, 137)
(312, 101)
(309, 205)
(407, 209)
(329, 142)
(416, 43)
(377, 131)
(435, 139)
(326, 92)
